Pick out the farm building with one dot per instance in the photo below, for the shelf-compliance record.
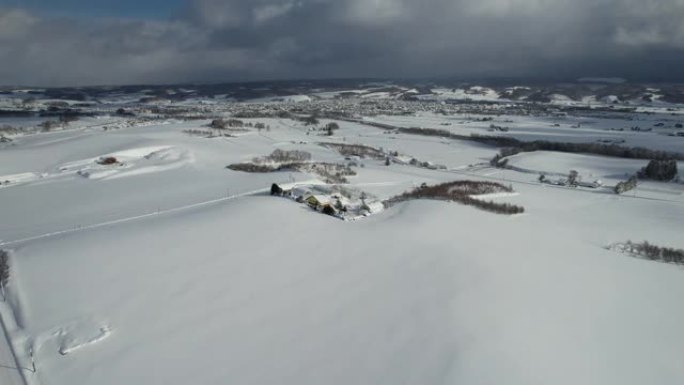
(316, 201)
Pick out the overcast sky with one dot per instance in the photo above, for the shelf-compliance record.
(100, 42)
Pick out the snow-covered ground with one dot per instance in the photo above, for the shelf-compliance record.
(10, 370)
(588, 166)
(168, 268)
(557, 129)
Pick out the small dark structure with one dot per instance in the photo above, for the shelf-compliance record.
(276, 190)
(108, 160)
(123, 112)
(329, 210)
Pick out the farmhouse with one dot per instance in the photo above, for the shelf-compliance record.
(317, 201)
(595, 184)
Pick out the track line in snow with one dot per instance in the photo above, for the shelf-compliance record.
(134, 218)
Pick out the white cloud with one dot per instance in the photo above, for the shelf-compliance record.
(271, 11)
(220, 13)
(374, 11)
(639, 37)
(510, 7)
(15, 23)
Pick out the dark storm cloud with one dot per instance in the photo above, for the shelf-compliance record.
(217, 40)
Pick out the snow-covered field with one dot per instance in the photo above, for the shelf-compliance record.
(167, 268)
(558, 129)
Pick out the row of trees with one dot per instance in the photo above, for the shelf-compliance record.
(660, 170)
(9, 130)
(655, 253)
(196, 132)
(222, 124)
(310, 120)
(281, 156)
(64, 121)
(663, 165)
(464, 192)
(500, 160)
(360, 150)
(260, 168)
(612, 150)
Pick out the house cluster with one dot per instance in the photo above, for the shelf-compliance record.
(570, 181)
(324, 199)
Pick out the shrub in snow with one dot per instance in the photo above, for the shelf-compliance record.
(628, 185)
(9, 130)
(256, 168)
(222, 124)
(218, 124)
(500, 160)
(67, 118)
(234, 123)
(310, 120)
(48, 125)
(108, 160)
(331, 127)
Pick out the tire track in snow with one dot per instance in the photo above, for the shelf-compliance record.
(134, 218)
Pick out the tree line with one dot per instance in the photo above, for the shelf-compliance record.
(655, 253)
(464, 192)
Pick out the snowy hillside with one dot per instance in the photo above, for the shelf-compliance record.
(138, 257)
